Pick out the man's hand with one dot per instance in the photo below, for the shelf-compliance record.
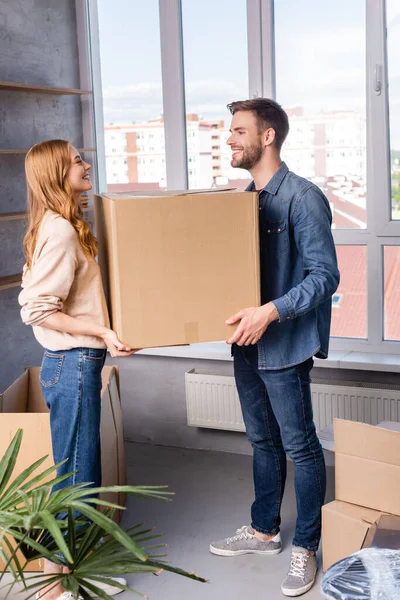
(253, 324)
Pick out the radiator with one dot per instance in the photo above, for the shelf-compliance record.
(212, 401)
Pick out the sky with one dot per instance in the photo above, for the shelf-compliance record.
(320, 56)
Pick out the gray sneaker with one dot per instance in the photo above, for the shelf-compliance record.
(245, 542)
(302, 573)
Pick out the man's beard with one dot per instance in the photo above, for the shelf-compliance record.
(250, 157)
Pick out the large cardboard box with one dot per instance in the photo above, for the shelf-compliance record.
(344, 529)
(176, 266)
(22, 407)
(367, 460)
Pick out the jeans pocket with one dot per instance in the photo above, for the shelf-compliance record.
(304, 370)
(51, 369)
(95, 354)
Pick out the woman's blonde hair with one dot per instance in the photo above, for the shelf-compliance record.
(46, 168)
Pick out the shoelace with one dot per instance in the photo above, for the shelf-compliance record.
(241, 534)
(298, 564)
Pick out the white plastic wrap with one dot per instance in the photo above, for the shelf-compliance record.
(370, 574)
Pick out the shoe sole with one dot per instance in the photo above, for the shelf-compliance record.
(220, 552)
(299, 591)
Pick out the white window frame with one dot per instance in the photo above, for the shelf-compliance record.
(381, 229)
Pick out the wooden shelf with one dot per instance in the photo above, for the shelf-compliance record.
(15, 216)
(10, 281)
(12, 86)
(24, 151)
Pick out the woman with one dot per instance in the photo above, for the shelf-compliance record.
(63, 300)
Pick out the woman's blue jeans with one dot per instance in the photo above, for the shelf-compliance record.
(71, 386)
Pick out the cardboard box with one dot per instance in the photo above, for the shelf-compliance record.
(176, 265)
(344, 529)
(384, 533)
(367, 460)
(22, 406)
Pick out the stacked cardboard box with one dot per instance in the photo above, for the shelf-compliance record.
(22, 407)
(367, 483)
(176, 265)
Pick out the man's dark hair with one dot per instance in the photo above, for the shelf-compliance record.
(268, 113)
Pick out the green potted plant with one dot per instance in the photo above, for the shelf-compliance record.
(67, 529)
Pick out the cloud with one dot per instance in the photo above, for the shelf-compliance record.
(144, 101)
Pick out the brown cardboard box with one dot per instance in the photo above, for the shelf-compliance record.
(22, 406)
(344, 528)
(177, 265)
(367, 460)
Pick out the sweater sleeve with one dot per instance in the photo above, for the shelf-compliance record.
(48, 282)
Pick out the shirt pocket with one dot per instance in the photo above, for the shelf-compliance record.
(276, 237)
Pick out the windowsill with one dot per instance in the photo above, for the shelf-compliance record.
(362, 361)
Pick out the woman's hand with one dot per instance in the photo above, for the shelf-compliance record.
(115, 346)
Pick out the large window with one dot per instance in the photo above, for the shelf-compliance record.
(349, 306)
(132, 94)
(214, 76)
(324, 94)
(170, 67)
(393, 36)
(392, 292)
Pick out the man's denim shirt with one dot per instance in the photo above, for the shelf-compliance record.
(299, 270)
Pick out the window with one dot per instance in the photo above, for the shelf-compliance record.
(331, 90)
(393, 34)
(213, 78)
(132, 87)
(324, 94)
(392, 292)
(351, 297)
(336, 298)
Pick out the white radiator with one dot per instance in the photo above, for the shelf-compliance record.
(212, 401)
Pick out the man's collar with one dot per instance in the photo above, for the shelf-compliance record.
(274, 183)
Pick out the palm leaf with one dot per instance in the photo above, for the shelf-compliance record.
(8, 461)
(109, 527)
(45, 524)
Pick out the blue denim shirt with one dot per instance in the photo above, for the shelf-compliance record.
(299, 271)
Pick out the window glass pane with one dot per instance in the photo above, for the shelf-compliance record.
(323, 91)
(216, 73)
(392, 292)
(393, 36)
(349, 304)
(132, 94)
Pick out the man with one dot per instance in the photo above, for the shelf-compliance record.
(274, 345)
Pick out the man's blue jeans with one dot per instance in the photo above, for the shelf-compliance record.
(71, 386)
(277, 412)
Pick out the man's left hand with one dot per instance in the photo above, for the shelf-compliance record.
(253, 324)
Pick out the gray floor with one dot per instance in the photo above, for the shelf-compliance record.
(213, 493)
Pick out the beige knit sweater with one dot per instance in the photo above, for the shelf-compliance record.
(62, 278)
